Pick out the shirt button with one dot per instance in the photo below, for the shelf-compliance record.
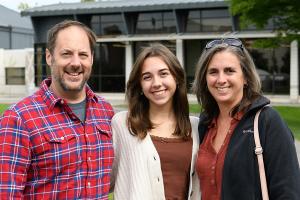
(154, 158)
(158, 179)
(62, 102)
(62, 138)
(212, 182)
(213, 167)
(89, 184)
(89, 158)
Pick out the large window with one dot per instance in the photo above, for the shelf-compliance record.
(112, 24)
(108, 73)
(41, 68)
(217, 20)
(156, 22)
(15, 76)
(273, 67)
(192, 52)
(171, 44)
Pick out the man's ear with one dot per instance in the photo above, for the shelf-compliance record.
(48, 57)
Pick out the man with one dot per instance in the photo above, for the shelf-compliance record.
(56, 144)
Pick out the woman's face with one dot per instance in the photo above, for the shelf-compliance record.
(225, 79)
(157, 82)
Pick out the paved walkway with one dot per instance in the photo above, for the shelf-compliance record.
(297, 143)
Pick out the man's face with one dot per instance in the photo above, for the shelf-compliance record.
(71, 62)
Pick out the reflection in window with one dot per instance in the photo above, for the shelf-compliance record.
(15, 76)
(108, 24)
(156, 22)
(273, 68)
(217, 20)
(108, 72)
(41, 69)
(170, 44)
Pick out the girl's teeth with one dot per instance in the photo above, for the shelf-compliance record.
(159, 92)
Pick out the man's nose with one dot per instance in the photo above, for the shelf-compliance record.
(76, 60)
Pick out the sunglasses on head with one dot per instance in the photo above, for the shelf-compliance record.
(229, 41)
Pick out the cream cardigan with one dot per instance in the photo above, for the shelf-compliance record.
(136, 170)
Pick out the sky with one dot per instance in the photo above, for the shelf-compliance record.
(13, 4)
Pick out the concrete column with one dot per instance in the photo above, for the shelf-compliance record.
(294, 72)
(2, 69)
(128, 60)
(29, 71)
(179, 51)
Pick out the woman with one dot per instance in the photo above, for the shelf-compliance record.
(228, 88)
(156, 141)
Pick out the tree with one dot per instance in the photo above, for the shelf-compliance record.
(23, 6)
(285, 14)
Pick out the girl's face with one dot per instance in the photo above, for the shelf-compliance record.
(157, 82)
(225, 79)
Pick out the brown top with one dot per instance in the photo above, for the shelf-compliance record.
(209, 164)
(175, 158)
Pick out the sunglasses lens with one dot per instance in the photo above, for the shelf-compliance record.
(213, 43)
(233, 42)
(230, 41)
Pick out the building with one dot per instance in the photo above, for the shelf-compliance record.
(16, 32)
(122, 27)
(16, 53)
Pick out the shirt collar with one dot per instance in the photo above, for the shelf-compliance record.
(237, 117)
(52, 99)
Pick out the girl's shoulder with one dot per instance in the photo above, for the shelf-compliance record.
(119, 116)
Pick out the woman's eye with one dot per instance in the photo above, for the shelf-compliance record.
(229, 70)
(212, 72)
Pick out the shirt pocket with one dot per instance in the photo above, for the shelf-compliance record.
(104, 128)
(60, 152)
(106, 145)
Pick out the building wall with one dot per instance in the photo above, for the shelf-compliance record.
(16, 38)
(16, 59)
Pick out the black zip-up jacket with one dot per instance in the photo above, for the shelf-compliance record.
(240, 179)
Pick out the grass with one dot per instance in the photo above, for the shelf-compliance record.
(290, 114)
(3, 107)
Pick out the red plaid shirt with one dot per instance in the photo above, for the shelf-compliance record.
(46, 152)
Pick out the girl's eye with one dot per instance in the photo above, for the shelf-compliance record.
(146, 78)
(164, 74)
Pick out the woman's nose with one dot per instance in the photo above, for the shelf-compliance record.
(221, 78)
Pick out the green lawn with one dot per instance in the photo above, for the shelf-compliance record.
(291, 114)
(3, 107)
